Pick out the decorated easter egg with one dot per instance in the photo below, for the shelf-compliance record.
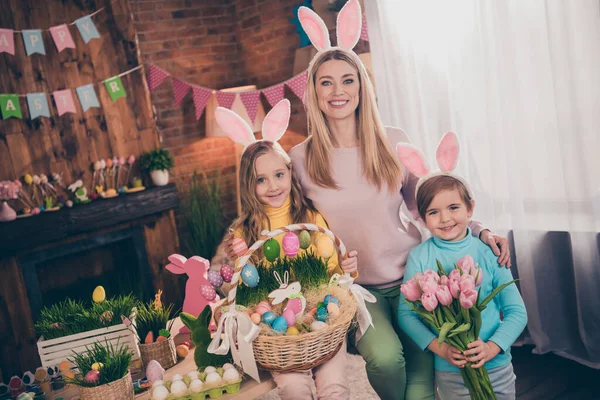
(214, 277)
(333, 310)
(316, 325)
(239, 246)
(99, 294)
(178, 388)
(97, 365)
(154, 371)
(177, 377)
(226, 272)
(250, 275)
(321, 314)
(160, 393)
(292, 330)
(231, 375)
(196, 386)
(279, 324)
(227, 366)
(326, 300)
(291, 244)
(304, 240)
(208, 292)
(210, 369)
(325, 247)
(268, 317)
(213, 377)
(271, 250)
(256, 318)
(24, 396)
(182, 351)
(92, 376)
(334, 300)
(295, 305)
(263, 307)
(290, 316)
(149, 338)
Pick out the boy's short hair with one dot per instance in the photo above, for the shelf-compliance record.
(431, 187)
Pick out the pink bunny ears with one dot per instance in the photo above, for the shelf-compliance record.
(274, 125)
(447, 154)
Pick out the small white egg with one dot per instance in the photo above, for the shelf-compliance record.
(193, 374)
(227, 366)
(196, 386)
(178, 388)
(231, 375)
(316, 325)
(208, 370)
(160, 393)
(213, 377)
(158, 383)
(177, 377)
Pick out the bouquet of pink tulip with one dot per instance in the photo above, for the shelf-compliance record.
(450, 303)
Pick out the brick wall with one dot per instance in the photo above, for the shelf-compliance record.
(216, 44)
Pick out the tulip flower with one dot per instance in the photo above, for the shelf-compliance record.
(443, 295)
(411, 290)
(468, 298)
(429, 301)
(467, 282)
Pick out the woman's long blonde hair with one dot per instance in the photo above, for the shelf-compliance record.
(253, 211)
(379, 165)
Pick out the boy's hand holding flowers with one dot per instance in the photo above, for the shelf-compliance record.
(452, 355)
(480, 352)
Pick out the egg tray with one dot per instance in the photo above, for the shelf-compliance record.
(212, 393)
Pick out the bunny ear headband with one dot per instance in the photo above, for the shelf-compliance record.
(447, 154)
(348, 27)
(274, 125)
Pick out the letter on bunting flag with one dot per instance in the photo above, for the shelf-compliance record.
(87, 97)
(7, 41)
(115, 88)
(10, 106)
(87, 28)
(38, 105)
(33, 41)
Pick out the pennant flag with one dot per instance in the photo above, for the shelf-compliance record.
(225, 99)
(115, 88)
(10, 106)
(7, 41)
(33, 41)
(298, 84)
(87, 97)
(251, 100)
(62, 37)
(64, 101)
(201, 97)
(156, 76)
(38, 105)
(87, 28)
(364, 34)
(274, 94)
(180, 89)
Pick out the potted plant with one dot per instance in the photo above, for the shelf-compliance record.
(103, 372)
(158, 163)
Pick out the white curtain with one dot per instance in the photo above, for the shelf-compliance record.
(519, 81)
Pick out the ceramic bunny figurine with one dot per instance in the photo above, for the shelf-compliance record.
(292, 292)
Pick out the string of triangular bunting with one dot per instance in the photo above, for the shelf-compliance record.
(201, 94)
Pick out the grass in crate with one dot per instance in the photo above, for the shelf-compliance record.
(70, 317)
(308, 269)
(116, 360)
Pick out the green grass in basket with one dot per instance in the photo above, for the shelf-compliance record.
(116, 360)
(150, 319)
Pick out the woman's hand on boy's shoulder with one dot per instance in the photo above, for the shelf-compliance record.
(499, 245)
(480, 352)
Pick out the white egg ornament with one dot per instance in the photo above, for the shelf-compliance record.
(178, 388)
(231, 375)
(209, 370)
(177, 377)
(227, 366)
(158, 383)
(250, 275)
(213, 378)
(193, 374)
(196, 386)
(317, 325)
(160, 393)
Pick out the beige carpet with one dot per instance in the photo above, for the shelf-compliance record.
(357, 379)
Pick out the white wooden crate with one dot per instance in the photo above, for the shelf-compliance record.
(54, 351)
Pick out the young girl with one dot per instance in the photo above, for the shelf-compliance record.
(445, 203)
(271, 198)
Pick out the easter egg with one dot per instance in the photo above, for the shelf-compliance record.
(210, 369)
(227, 366)
(295, 305)
(280, 324)
(214, 277)
(178, 388)
(315, 326)
(92, 376)
(99, 294)
(304, 239)
(263, 307)
(213, 377)
(292, 330)
(149, 338)
(24, 396)
(196, 386)
(160, 393)
(231, 375)
(97, 365)
(208, 292)
(226, 272)
(158, 383)
(321, 314)
(268, 317)
(250, 275)
(177, 377)
(291, 244)
(193, 374)
(182, 351)
(154, 371)
(334, 300)
(290, 316)
(325, 247)
(271, 250)
(239, 246)
(326, 300)
(256, 317)
(333, 310)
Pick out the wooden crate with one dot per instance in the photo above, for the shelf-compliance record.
(53, 352)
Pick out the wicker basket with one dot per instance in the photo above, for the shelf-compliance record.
(284, 353)
(121, 389)
(163, 352)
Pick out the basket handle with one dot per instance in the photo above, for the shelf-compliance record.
(266, 235)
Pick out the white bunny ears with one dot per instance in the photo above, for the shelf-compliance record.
(274, 125)
(447, 154)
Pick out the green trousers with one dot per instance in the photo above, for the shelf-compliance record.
(397, 368)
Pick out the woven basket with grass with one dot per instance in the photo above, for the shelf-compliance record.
(163, 352)
(121, 389)
(284, 353)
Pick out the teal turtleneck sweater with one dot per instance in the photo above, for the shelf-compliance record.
(502, 332)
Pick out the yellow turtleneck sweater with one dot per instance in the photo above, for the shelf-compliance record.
(280, 217)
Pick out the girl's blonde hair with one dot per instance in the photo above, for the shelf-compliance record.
(253, 211)
(379, 165)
